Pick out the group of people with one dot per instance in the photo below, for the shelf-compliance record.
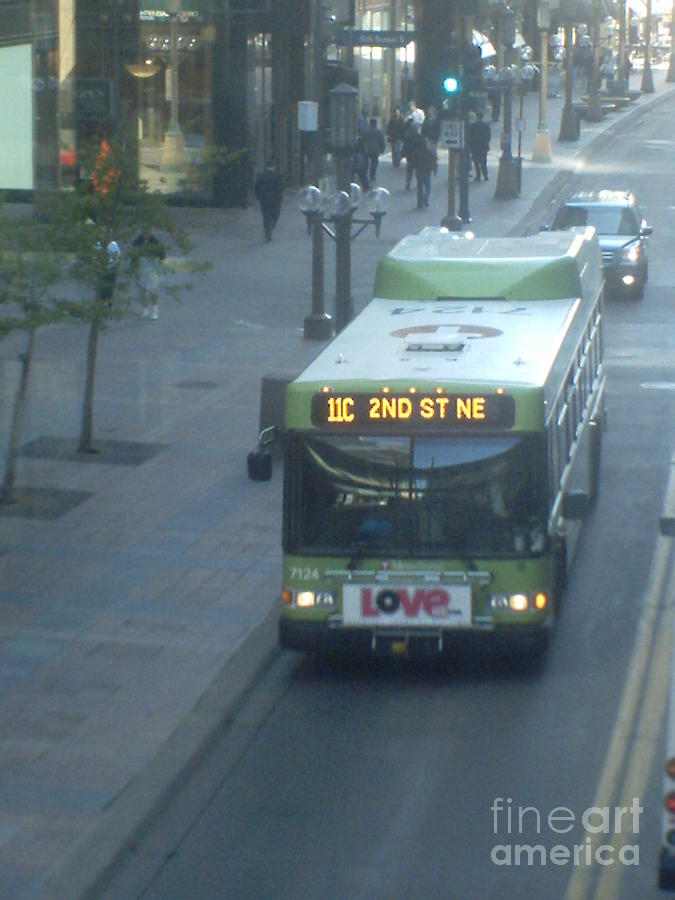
(414, 138)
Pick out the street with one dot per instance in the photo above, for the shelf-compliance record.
(418, 781)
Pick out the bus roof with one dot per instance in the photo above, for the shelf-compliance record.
(462, 315)
(437, 263)
(446, 341)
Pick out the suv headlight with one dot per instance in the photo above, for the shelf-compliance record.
(632, 253)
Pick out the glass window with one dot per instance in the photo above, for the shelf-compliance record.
(605, 219)
(172, 82)
(420, 496)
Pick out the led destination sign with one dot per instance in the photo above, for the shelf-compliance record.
(344, 411)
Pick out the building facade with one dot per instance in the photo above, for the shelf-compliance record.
(202, 92)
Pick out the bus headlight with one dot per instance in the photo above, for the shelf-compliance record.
(307, 599)
(519, 602)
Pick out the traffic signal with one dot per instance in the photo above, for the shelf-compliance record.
(451, 87)
(473, 68)
(451, 84)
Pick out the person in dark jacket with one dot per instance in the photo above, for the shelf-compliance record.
(373, 145)
(395, 132)
(423, 163)
(269, 192)
(360, 166)
(431, 130)
(479, 144)
(409, 139)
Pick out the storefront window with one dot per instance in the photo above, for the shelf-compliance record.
(172, 85)
(261, 138)
(385, 73)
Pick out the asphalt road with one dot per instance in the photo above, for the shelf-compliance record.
(407, 780)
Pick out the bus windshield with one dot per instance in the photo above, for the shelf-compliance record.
(415, 496)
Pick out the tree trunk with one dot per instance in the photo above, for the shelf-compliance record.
(7, 488)
(85, 445)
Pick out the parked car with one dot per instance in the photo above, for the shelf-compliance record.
(622, 235)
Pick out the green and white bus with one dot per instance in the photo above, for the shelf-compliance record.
(442, 451)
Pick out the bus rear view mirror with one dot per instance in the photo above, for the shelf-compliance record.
(259, 465)
(576, 505)
(259, 462)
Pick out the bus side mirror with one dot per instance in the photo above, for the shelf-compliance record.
(259, 462)
(576, 505)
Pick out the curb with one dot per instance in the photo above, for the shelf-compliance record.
(88, 869)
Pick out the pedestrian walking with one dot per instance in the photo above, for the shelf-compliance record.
(423, 163)
(431, 131)
(360, 166)
(395, 132)
(108, 276)
(407, 152)
(146, 265)
(415, 115)
(269, 192)
(495, 101)
(373, 146)
(479, 144)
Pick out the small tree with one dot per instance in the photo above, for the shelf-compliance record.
(100, 216)
(29, 276)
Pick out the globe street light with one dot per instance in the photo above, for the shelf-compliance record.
(334, 215)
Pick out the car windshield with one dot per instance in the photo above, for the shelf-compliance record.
(610, 220)
(415, 496)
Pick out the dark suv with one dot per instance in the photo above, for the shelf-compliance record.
(622, 235)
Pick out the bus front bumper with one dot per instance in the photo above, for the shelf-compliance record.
(321, 637)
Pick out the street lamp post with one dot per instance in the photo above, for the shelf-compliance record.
(343, 127)
(622, 58)
(328, 215)
(525, 76)
(541, 152)
(319, 324)
(670, 77)
(569, 122)
(507, 181)
(594, 112)
(647, 86)
(338, 210)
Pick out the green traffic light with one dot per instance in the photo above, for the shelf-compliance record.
(451, 84)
